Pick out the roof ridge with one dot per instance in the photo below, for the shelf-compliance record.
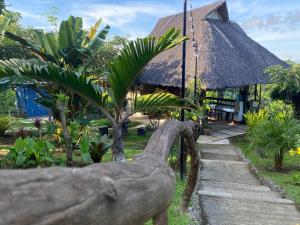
(216, 3)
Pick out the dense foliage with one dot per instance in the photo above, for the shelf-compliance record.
(274, 129)
(28, 153)
(124, 70)
(286, 84)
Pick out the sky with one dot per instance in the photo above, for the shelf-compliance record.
(275, 24)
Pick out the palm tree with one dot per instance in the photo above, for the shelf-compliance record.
(124, 71)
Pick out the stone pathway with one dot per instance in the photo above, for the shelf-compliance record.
(221, 134)
(229, 194)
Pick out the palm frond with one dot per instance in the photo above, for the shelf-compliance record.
(160, 100)
(134, 57)
(49, 72)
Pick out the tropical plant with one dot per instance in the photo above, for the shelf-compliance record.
(38, 125)
(287, 83)
(72, 48)
(273, 130)
(124, 71)
(91, 144)
(28, 153)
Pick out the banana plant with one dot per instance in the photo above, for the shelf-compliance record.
(124, 70)
(71, 47)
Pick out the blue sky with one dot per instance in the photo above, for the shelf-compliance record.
(273, 23)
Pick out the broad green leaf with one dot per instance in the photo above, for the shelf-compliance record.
(48, 42)
(19, 144)
(47, 159)
(84, 144)
(66, 35)
(20, 160)
(86, 157)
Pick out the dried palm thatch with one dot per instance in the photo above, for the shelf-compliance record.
(227, 56)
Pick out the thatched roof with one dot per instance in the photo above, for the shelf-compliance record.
(227, 56)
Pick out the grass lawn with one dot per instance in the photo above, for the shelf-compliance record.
(289, 178)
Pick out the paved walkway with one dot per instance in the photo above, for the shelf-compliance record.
(221, 132)
(229, 194)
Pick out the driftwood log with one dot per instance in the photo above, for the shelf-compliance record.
(126, 193)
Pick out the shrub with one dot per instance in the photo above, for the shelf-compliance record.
(28, 153)
(5, 123)
(274, 129)
(102, 122)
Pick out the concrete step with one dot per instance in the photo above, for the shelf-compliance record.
(217, 147)
(234, 186)
(221, 142)
(227, 171)
(220, 153)
(227, 211)
(271, 197)
(220, 156)
(220, 135)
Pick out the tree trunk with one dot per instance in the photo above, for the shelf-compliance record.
(67, 138)
(278, 160)
(97, 194)
(118, 144)
(296, 102)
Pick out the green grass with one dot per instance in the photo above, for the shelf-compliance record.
(288, 179)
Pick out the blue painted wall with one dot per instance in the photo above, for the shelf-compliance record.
(26, 96)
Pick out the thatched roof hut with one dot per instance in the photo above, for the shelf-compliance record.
(227, 56)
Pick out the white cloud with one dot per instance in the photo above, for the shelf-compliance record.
(29, 15)
(118, 15)
(290, 20)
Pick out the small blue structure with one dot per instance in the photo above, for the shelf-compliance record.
(26, 103)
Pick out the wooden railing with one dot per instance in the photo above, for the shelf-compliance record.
(128, 193)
